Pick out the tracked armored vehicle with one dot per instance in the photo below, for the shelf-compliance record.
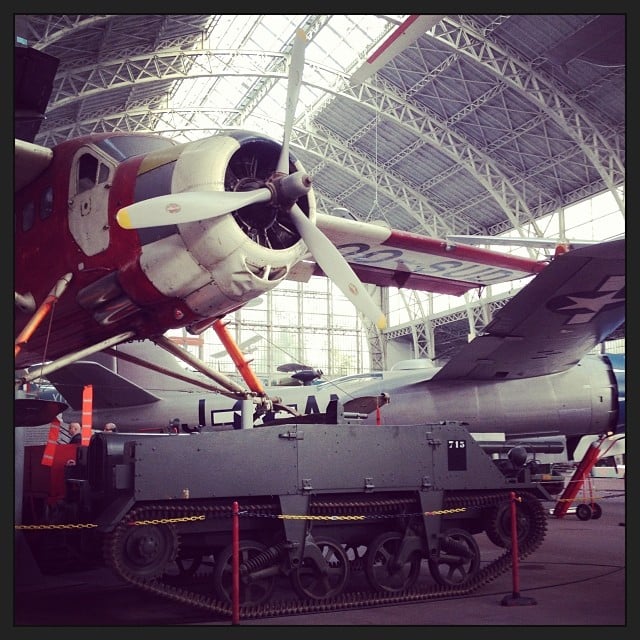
(317, 504)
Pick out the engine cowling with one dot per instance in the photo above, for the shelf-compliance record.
(224, 261)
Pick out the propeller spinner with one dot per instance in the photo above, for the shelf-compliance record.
(281, 190)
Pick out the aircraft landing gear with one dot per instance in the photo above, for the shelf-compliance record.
(587, 512)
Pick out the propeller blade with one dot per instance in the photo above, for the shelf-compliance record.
(190, 206)
(332, 262)
(296, 66)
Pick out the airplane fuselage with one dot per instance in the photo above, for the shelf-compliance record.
(586, 399)
(150, 280)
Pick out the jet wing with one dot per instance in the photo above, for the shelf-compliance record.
(366, 404)
(550, 324)
(387, 257)
(110, 390)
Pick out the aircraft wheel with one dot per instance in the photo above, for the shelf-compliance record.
(382, 569)
(596, 511)
(252, 592)
(583, 512)
(459, 559)
(318, 583)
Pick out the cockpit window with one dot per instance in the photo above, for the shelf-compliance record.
(28, 215)
(87, 171)
(46, 203)
(103, 173)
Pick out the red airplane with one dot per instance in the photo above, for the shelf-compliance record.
(123, 236)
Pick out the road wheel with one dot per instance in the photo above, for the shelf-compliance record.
(252, 592)
(145, 551)
(458, 560)
(326, 581)
(382, 569)
(497, 522)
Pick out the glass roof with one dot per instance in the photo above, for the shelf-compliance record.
(248, 82)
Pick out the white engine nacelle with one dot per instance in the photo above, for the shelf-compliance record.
(218, 264)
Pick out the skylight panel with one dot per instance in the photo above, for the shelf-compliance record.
(342, 44)
(345, 39)
(273, 31)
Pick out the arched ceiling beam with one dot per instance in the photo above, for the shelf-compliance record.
(364, 170)
(46, 30)
(50, 29)
(464, 36)
(462, 152)
(179, 65)
(82, 82)
(326, 148)
(434, 132)
(78, 83)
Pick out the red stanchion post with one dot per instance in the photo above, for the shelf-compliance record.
(515, 599)
(235, 566)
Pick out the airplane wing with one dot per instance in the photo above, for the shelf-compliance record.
(33, 412)
(30, 160)
(110, 390)
(550, 324)
(245, 346)
(404, 35)
(366, 404)
(386, 257)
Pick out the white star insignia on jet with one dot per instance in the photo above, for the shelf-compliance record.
(609, 292)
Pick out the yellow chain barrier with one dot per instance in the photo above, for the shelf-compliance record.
(291, 517)
(35, 527)
(444, 511)
(139, 523)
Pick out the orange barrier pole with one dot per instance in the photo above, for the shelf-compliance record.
(87, 410)
(235, 566)
(515, 598)
(52, 442)
(238, 357)
(41, 313)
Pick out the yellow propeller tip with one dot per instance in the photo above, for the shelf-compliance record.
(381, 323)
(123, 219)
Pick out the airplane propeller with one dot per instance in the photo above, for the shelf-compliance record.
(296, 65)
(336, 268)
(281, 190)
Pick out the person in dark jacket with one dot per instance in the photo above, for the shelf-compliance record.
(75, 431)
